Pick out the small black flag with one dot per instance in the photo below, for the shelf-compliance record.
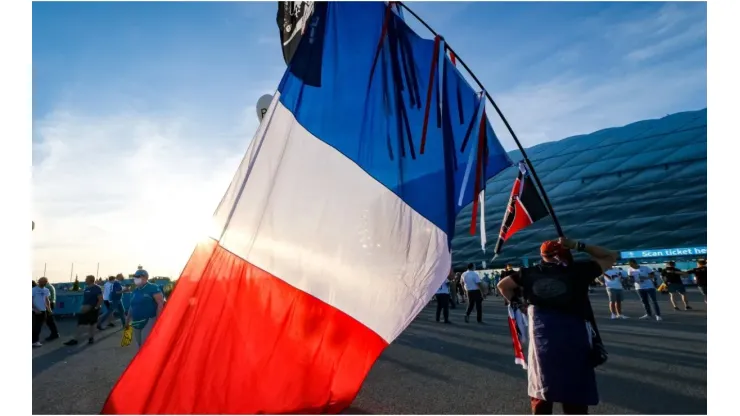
(292, 20)
(302, 26)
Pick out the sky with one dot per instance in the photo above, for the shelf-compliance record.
(143, 111)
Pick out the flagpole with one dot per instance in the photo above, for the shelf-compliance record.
(536, 178)
(44, 269)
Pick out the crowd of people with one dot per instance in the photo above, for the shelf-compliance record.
(100, 306)
(646, 284)
(563, 339)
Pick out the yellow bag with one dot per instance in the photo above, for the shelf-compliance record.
(128, 335)
(662, 288)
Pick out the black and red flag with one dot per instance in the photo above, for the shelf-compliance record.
(525, 207)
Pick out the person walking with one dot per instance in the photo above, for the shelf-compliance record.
(107, 285)
(40, 297)
(700, 275)
(49, 319)
(115, 304)
(615, 292)
(92, 301)
(443, 300)
(642, 276)
(473, 286)
(147, 302)
(461, 288)
(672, 277)
(563, 347)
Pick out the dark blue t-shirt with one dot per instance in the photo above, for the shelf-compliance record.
(114, 296)
(90, 295)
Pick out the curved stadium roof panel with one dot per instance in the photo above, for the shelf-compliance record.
(640, 186)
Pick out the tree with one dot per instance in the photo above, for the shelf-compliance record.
(76, 285)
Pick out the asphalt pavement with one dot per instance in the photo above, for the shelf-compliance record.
(432, 368)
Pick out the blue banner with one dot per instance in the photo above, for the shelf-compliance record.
(664, 252)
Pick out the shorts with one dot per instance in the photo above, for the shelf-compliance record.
(676, 288)
(615, 295)
(703, 289)
(141, 334)
(88, 318)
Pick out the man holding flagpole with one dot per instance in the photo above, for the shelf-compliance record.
(563, 346)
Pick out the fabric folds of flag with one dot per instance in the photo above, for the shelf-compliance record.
(333, 235)
(524, 209)
(519, 332)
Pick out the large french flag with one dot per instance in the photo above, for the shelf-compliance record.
(333, 235)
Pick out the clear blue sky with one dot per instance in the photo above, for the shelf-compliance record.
(141, 107)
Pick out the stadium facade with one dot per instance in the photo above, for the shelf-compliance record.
(638, 187)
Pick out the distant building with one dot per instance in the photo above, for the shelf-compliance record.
(638, 187)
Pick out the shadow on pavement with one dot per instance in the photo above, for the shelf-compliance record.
(43, 362)
(647, 398)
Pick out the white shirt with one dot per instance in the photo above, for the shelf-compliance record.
(39, 297)
(444, 289)
(107, 288)
(642, 272)
(470, 280)
(612, 279)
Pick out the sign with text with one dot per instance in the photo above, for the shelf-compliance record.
(664, 252)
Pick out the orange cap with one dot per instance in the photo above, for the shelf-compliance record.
(553, 250)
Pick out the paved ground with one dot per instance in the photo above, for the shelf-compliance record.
(654, 367)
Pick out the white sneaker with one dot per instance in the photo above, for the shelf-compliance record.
(623, 317)
(658, 318)
(644, 317)
(36, 344)
(614, 316)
